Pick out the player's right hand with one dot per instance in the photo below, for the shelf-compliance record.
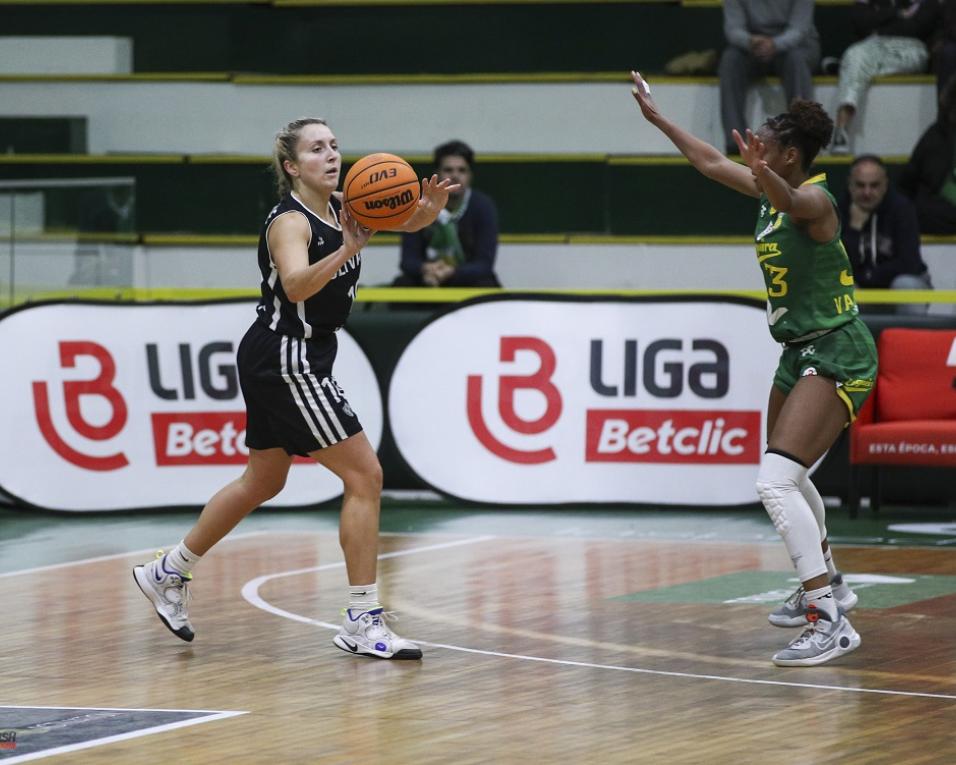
(354, 235)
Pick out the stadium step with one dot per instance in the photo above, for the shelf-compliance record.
(535, 194)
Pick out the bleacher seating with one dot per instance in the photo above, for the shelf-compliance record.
(536, 194)
(357, 38)
(42, 135)
(540, 91)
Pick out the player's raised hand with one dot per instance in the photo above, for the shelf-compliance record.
(642, 94)
(435, 193)
(751, 151)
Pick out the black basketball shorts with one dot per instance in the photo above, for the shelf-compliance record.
(292, 400)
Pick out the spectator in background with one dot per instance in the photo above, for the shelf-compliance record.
(765, 36)
(881, 233)
(892, 36)
(459, 248)
(107, 225)
(111, 211)
(944, 53)
(929, 177)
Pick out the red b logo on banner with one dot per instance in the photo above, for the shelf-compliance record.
(73, 391)
(507, 385)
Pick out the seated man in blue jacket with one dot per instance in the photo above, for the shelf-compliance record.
(881, 232)
(458, 249)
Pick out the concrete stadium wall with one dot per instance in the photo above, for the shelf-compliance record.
(591, 117)
(520, 266)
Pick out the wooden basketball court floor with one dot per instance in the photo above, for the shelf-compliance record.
(561, 637)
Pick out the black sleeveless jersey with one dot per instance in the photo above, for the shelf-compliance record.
(324, 312)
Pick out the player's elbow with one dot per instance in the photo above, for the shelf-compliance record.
(295, 291)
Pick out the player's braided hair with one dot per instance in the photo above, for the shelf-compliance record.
(805, 126)
(286, 141)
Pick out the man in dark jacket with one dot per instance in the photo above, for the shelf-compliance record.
(881, 232)
(929, 177)
(458, 249)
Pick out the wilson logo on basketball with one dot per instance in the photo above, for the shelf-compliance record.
(673, 436)
(393, 202)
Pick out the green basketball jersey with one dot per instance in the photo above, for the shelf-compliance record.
(809, 284)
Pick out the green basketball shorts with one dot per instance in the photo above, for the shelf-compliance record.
(846, 355)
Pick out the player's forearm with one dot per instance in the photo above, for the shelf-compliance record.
(423, 216)
(778, 191)
(306, 282)
(699, 153)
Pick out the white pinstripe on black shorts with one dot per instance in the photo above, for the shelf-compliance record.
(292, 399)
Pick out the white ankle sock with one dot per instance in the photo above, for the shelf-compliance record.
(181, 559)
(823, 599)
(831, 566)
(363, 597)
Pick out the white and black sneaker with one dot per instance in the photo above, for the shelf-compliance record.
(822, 641)
(168, 592)
(840, 144)
(365, 633)
(793, 612)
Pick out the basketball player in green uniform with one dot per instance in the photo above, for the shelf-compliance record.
(828, 363)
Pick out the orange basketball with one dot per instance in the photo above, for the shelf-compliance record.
(381, 191)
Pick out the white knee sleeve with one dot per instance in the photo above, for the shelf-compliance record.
(813, 498)
(778, 484)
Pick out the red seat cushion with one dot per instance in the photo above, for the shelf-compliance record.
(911, 417)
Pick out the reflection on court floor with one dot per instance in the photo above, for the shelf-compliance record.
(544, 648)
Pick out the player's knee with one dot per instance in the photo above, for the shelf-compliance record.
(778, 477)
(263, 487)
(375, 478)
(366, 482)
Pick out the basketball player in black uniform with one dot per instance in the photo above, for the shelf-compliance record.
(310, 258)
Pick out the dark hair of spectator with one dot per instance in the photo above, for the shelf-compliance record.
(454, 149)
(806, 126)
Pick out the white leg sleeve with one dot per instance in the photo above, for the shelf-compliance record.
(778, 484)
(813, 498)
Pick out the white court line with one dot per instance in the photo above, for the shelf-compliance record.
(120, 709)
(120, 736)
(84, 561)
(250, 592)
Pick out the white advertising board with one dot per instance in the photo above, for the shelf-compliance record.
(116, 406)
(555, 401)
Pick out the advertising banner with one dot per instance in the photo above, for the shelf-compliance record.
(552, 401)
(115, 406)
